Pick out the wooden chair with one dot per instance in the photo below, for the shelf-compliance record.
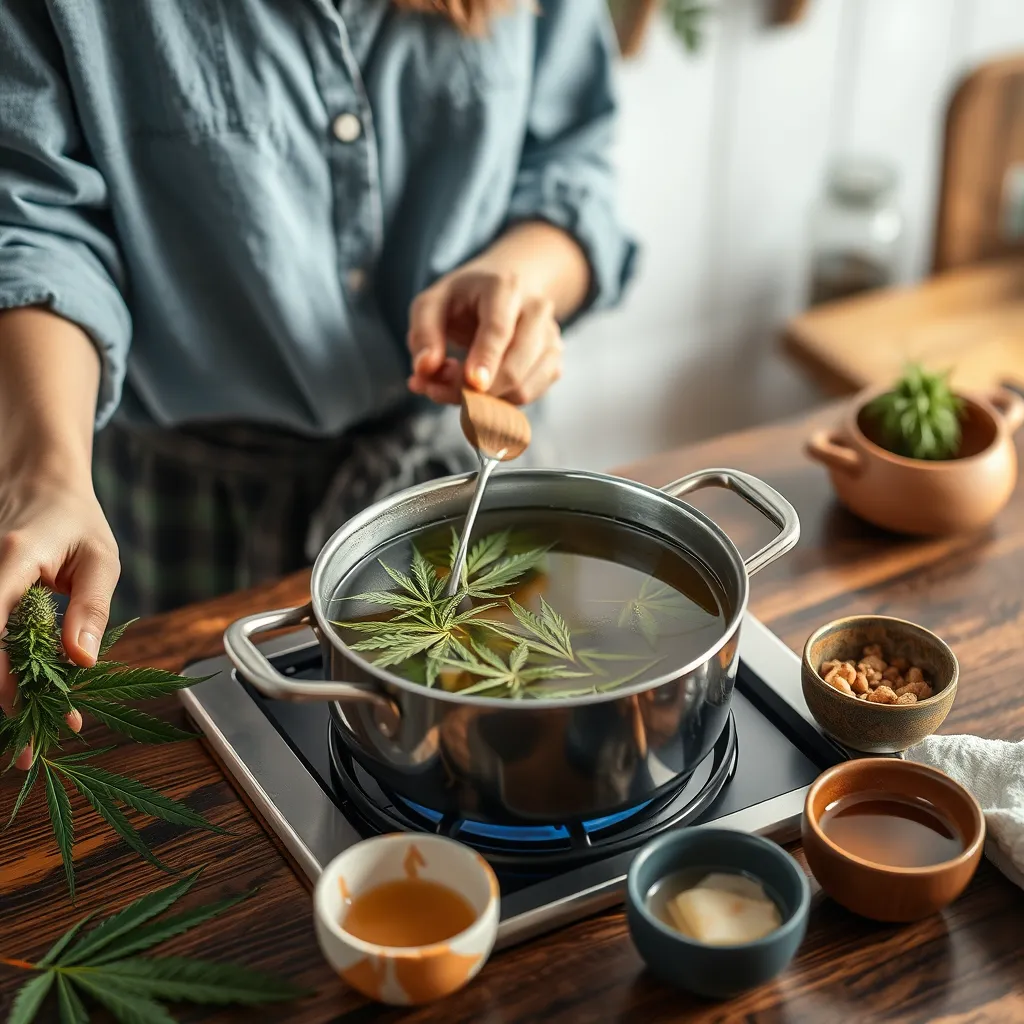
(970, 314)
(981, 198)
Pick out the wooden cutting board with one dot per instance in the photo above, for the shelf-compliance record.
(970, 321)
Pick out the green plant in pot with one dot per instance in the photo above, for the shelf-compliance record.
(920, 418)
(920, 457)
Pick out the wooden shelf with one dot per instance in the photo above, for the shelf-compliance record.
(970, 321)
(633, 17)
(788, 12)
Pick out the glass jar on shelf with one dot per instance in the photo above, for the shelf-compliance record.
(856, 231)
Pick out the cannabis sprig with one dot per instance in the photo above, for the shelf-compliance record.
(103, 967)
(920, 417)
(522, 655)
(49, 686)
(427, 622)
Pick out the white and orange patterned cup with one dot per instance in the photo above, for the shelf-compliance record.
(407, 975)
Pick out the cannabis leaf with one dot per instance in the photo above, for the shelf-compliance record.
(511, 676)
(656, 603)
(130, 722)
(547, 633)
(102, 966)
(920, 417)
(598, 664)
(503, 567)
(425, 621)
(106, 793)
(61, 821)
(426, 632)
(48, 687)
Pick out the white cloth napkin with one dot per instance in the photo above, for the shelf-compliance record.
(993, 771)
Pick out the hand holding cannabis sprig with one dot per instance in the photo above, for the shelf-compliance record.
(51, 525)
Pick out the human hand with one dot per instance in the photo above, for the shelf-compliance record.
(52, 528)
(512, 340)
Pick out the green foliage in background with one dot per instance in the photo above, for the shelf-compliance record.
(686, 18)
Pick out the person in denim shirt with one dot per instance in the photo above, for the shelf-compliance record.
(257, 245)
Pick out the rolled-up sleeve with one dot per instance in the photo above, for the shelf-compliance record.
(56, 240)
(565, 175)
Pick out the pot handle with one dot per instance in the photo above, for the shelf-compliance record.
(254, 666)
(765, 499)
(1010, 407)
(829, 449)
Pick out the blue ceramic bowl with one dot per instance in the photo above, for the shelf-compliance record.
(717, 972)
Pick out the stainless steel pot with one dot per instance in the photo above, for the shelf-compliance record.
(555, 760)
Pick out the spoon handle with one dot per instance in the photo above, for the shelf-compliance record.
(487, 467)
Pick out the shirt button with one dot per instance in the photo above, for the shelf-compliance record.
(347, 128)
(356, 280)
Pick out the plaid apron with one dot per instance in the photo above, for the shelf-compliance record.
(202, 511)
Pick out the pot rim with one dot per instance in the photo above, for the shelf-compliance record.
(929, 465)
(642, 491)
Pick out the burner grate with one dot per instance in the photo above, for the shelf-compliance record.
(539, 847)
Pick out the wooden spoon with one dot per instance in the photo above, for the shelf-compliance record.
(499, 431)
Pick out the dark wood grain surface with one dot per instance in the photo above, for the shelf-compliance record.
(965, 965)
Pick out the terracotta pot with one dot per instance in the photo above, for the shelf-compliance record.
(921, 496)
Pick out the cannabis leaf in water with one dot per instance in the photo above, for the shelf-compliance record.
(502, 568)
(655, 604)
(426, 632)
(547, 633)
(513, 676)
(103, 967)
(598, 664)
(425, 621)
(48, 688)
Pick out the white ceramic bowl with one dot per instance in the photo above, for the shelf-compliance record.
(407, 975)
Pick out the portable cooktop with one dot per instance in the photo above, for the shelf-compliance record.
(319, 802)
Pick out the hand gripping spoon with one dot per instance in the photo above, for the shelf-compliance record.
(499, 431)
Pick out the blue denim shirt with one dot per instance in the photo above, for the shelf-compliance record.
(238, 199)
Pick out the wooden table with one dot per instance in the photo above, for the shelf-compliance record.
(965, 965)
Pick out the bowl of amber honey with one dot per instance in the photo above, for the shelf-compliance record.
(890, 839)
(407, 919)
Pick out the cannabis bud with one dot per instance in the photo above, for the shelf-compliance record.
(50, 686)
(32, 641)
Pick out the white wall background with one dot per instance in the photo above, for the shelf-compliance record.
(721, 158)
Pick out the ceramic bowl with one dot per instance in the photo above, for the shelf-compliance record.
(860, 724)
(406, 975)
(879, 891)
(716, 972)
(922, 496)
